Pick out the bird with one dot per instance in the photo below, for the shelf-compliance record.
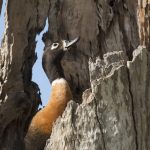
(41, 125)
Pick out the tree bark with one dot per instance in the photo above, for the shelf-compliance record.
(113, 113)
(1, 3)
(108, 72)
(19, 96)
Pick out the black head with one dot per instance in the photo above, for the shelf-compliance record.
(52, 57)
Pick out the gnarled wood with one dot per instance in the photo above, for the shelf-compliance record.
(114, 112)
(24, 19)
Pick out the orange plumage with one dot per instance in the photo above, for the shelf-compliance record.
(42, 123)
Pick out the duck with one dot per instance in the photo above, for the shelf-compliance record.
(41, 125)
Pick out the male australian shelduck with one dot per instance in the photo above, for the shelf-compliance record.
(41, 125)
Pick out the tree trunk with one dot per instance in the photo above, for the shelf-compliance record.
(1, 2)
(19, 96)
(110, 85)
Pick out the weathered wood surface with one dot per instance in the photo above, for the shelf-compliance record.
(103, 26)
(115, 114)
(19, 96)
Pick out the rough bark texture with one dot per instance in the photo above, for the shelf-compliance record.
(19, 97)
(143, 16)
(113, 113)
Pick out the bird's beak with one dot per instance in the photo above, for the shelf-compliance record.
(68, 44)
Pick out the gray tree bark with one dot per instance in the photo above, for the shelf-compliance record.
(110, 85)
(19, 96)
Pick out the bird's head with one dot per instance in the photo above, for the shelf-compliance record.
(61, 46)
(52, 57)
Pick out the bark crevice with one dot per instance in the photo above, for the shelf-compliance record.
(100, 124)
(109, 28)
(133, 110)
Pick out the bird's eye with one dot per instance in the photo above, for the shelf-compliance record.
(54, 46)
